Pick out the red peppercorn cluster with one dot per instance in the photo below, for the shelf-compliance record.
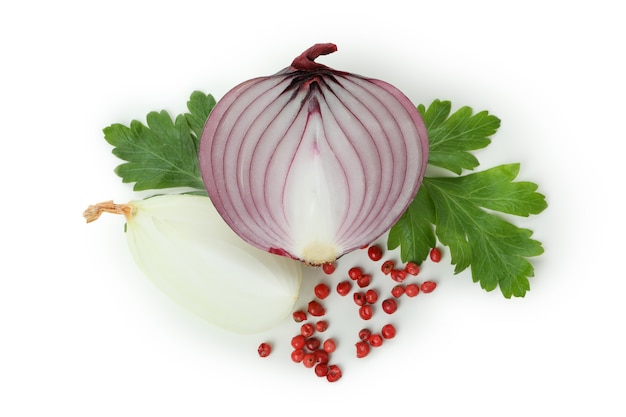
(313, 350)
(366, 300)
(368, 339)
(310, 349)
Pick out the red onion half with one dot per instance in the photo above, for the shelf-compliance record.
(311, 162)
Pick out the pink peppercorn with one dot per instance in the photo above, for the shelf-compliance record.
(366, 312)
(398, 290)
(435, 254)
(321, 369)
(334, 373)
(329, 345)
(321, 291)
(390, 306)
(316, 309)
(297, 355)
(428, 286)
(307, 330)
(362, 349)
(321, 326)
(376, 340)
(371, 296)
(388, 331)
(412, 290)
(343, 288)
(308, 360)
(264, 350)
(364, 334)
(299, 316)
(328, 268)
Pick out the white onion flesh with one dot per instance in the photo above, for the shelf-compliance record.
(313, 163)
(190, 254)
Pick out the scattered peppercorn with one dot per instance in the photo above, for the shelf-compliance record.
(362, 349)
(359, 298)
(321, 326)
(329, 345)
(334, 373)
(308, 360)
(264, 350)
(398, 290)
(398, 275)
(307, 330)
(298, 341)
(297, 355)
(366, 312)
(328, 268)
(388, 331)
(412, 290)
(316, 309)
(390, 306)
(371, 296)
(321, 356)
(412, 268)
(313, 343)
(355, 272)
(387, 267)
(364, 280)
(376, 340)
(364, 334)
(435, 254)
(299, 316)
(375, 253)
(321, 369)
(321, 291)
(428, 286)
(343, 288)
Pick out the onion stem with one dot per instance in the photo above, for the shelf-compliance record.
(306, 60)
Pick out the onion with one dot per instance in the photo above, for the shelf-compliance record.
(187, 250)
(313, 163)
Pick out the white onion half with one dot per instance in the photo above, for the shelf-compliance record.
(313, 163)
(190, 254)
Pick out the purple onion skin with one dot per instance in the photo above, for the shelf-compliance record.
(313, 163)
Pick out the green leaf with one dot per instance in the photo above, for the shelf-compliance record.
(496, 250)
(163, 153)
(414, 232)
(200, 106)
(468, 213)
(451, 137)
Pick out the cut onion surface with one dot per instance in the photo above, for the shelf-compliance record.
(312, 163)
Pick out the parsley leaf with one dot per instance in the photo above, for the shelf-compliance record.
(465, 212)
(414, 232)
(163, 153)
(495, 248)
(200, 105)
(451, 137)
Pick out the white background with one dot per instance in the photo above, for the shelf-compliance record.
(83, 332)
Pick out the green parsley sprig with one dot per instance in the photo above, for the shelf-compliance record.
(463, 212)
(163, 153)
